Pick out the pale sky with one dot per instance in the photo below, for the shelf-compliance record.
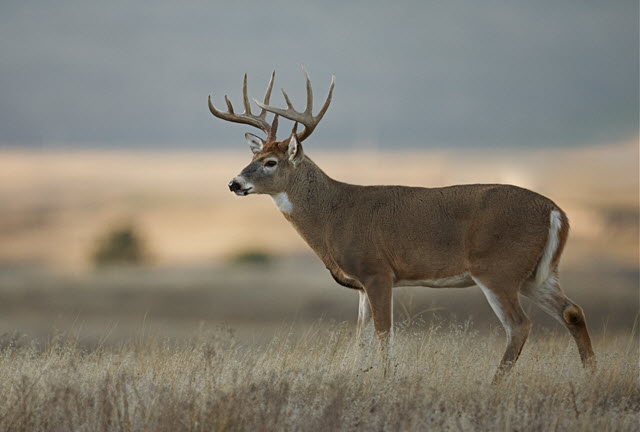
(408, 73)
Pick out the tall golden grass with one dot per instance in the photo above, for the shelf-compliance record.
(440, 380)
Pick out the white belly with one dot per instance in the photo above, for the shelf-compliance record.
(458, 281)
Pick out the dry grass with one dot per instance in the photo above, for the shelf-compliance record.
(319, 381)
(54, 205)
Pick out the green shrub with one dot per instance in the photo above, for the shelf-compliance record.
(252, 257)
(122, 245)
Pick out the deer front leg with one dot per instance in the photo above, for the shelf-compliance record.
(364, 319)
(379, 292)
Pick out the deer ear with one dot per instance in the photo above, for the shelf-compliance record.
(294, 152)
(255, 143)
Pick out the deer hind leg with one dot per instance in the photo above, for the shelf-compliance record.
(364, 319)
(506, 305)
(550, 297)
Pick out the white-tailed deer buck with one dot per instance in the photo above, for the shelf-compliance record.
(505, 239)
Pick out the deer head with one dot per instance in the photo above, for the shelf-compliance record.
(273, 162)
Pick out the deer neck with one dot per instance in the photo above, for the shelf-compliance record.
(310, 197)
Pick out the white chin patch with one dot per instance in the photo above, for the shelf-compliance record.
(243, 192)
(282, 202)
(247, 187)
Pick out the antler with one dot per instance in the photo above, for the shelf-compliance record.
(247, 117)
(306, 118)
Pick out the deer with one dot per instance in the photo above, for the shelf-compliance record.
(505, 239)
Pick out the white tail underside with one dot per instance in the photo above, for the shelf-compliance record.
(553, 240)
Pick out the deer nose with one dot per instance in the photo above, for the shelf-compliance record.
(234, 185)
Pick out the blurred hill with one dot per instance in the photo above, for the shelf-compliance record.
(56, 204)
(214, 257)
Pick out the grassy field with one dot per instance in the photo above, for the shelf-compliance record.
(198, 339)
(315, 381)
(272, 348)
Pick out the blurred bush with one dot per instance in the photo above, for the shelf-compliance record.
(122, 245)
(255, 257)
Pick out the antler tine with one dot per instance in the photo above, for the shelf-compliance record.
(274, 129)
(267, 95)
(286, 99)
(327, 102)
(245, 97)
(247, 117)
(309, 108)
(229, 106)
(306, 118)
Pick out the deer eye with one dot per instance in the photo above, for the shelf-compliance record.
(271, 163)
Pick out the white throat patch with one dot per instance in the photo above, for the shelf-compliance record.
(282, 202)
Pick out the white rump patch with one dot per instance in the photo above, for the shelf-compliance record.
(553, 240)
(282, 202)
